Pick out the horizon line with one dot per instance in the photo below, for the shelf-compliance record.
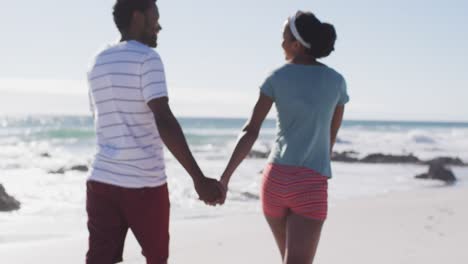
(389, 120)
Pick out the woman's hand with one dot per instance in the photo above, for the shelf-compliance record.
(223, 182)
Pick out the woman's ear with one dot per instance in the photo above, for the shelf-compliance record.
(297, 45)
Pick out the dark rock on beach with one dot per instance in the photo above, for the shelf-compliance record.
(351, 156)
(346, 156)
(45, 155)
(383, 158)
(82, 168)
(250, 196)
(437, 171)
(447, 161)
(7, 202)
(59, 171)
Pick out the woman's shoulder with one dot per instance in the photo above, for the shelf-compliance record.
(316, 71)
(289, 67)
(334, 73)
(278, 70)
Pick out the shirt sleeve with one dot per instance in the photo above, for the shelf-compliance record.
(267, 88)
(153, 78)
(344, 97)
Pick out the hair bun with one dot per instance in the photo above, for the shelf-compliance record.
(326, 41)
(321, 36)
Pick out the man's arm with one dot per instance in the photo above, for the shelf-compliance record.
(174, 139)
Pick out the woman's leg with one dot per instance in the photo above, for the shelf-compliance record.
(278, 227)
(302, 238)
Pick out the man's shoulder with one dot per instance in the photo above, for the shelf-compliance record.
(124, 52)
(125, 49)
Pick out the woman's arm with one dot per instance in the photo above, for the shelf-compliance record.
(247, 137)
(335, 125)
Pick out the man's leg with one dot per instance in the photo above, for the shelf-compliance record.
(147, 212)
(106, 225)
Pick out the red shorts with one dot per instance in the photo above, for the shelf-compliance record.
(113, 210)
(297, 189)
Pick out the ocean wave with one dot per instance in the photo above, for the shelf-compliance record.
(63, 133)
(422, 137)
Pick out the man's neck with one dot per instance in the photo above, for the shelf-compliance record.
(128, 37)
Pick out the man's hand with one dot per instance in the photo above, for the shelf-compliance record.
(209, 190)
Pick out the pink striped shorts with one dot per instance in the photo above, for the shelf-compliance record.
(300, 190)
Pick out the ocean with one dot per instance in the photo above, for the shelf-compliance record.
(32, 146)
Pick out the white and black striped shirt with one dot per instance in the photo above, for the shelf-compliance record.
(122, 80)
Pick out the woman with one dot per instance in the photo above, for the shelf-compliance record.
(309, 97)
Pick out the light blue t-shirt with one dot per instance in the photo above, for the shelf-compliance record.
(305, 97)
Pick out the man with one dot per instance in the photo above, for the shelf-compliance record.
(127, 184)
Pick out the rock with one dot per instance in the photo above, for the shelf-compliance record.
(7, 202)
(447, 161)
(59, 171)
(437, 171)
(256, 154)
(382, 158)
(82, 168)
(62, 170)
(250, 196)
(45, 155)
(346, 156)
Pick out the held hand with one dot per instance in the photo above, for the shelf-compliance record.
(209, 190)
(222, 185)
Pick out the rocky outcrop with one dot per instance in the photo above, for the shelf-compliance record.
(7, 203)
(446, 161)
(82, 168)
(383, 158)
(351, 156)
(346, 156)
(377, 158)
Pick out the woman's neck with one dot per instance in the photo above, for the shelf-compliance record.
(305, 60)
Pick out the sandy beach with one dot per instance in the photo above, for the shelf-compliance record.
(426, 226)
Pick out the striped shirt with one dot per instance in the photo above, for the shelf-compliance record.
(122, 80)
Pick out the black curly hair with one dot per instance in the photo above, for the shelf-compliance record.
(123, 10)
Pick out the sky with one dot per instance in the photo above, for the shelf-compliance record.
(403, 60)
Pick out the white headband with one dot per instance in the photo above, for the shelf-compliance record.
(292, 26)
